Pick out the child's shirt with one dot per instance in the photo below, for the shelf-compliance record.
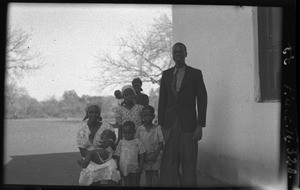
(128, 152)
(150, 138)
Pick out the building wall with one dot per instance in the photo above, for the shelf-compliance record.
(240, 144)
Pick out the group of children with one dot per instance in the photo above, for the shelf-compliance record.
(138, 150)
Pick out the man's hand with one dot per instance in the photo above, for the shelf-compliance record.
(197, 135)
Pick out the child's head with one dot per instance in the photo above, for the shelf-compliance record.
(118, 94)
(137, 85)
(128, 130)
(148, 114)
(108, 134)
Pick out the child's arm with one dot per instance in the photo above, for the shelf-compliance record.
(141, 155)
(117, 154)
(160, 140)
(83, 152)
(118, 162)
(119, 133)
(88, 157)
(141, 158)
(157, 151)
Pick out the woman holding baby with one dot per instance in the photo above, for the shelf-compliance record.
(98, 166)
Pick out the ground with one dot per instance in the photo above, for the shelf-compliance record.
(44, 152)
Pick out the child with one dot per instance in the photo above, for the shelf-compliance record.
(98, 166)
(152, 137)
(130, 111)
(104, 152)
(140, 98)
(119, 97)
(130, 155)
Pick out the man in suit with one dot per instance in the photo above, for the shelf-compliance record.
(182, 91)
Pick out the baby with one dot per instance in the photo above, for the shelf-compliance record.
(119, 97)
(104, 152)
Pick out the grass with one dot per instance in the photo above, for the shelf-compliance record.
(37, 136)
(41, 151)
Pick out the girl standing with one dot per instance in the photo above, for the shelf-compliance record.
(130, 111)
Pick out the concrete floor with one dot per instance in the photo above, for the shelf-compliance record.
(61, 169)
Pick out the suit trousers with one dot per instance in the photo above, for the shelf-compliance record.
(179, 158)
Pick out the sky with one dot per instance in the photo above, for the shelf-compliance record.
(69, 36)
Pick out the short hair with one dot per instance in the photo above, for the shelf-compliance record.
(180, 44)
(110, 134)
(129, 124)
(150, 108)
(137, 80)
(117, 91)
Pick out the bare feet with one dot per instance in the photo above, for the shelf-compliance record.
(82, 163)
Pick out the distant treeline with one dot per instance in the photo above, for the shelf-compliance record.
(69, 106)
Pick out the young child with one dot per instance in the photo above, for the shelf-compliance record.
(152, 137)
(103, 152)
(130, 155)
(119, 97)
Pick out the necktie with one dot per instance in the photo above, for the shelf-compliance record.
(174, 81)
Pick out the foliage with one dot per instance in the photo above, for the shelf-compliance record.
(69, 106)
(20, 59)
(20, 56)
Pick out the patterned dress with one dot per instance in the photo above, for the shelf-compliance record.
(128, 152)
(123, 114)
(94, 172)
(151, 139)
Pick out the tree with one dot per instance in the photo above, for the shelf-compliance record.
(50, 107)
(70, 104)
(141, 55)
(12, 95)
(20, 59)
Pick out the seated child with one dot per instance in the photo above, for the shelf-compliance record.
(104, 152)
(130, 155)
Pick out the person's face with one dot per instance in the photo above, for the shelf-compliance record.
(94, 113)
(118, 94)
(105, 136)
(128, 95)
(128, 134)
(137, 87)
(179, 54)
(147, 116)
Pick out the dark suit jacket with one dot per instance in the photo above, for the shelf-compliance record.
(192, 94)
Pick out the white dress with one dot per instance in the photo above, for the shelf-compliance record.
(95, 172)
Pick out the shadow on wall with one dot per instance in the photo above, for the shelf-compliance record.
(221, 168)
(211, 159)
(43, 169)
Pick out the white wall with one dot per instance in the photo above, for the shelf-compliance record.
(241, 141)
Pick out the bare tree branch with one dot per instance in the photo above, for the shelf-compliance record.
(19, 54)
(143, 55)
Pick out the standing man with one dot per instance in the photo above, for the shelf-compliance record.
(182, 92)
